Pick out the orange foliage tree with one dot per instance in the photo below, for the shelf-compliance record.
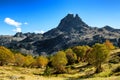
(109, 45)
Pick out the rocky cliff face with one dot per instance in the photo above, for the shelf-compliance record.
(71, 31)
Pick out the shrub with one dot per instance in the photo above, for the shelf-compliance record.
(47, 71)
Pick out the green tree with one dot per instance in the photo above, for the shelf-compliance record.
(98, 55)
(71, 56)
(6, 56)
(47, 71)
(59, 61)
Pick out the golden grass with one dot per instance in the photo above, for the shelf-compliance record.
(108, 78)
(18, 73)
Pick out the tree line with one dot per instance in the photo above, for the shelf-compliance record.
(94, 55)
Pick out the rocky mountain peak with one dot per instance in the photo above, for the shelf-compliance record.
(19, 34)
(71, 22)
(77, 17)
(71, 31)
(109, 28)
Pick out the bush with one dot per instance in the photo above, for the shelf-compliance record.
(47, 71)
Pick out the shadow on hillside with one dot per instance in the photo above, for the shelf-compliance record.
(88, 75)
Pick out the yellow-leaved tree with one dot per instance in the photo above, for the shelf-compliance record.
(59, 61)
(71, 56)
(98, 55)
(41, 61)
(19, 59)
(6, 56)
(29, 59)
(80, 52)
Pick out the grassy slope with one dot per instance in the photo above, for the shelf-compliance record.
(18, 73)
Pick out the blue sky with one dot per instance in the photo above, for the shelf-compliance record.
(43, 15)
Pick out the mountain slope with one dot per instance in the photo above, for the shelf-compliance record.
(70, 32)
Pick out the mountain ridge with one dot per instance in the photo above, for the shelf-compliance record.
(71, 31)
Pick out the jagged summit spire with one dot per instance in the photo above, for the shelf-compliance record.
(71, 22)
(77, 17)
(72, 16)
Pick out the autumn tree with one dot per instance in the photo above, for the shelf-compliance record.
(41, 61)
(71, 56)
(87, 57)
(29, 59)
(80, 52)
(98, 55)
(109, 45)
(59, 61)
(19, 59)
(6, 56)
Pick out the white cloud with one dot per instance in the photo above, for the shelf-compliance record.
(18, 29)
(40, 31)
(12, 22)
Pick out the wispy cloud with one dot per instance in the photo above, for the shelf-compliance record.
(12, 22)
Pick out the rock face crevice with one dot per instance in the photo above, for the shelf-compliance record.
(71, 31)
